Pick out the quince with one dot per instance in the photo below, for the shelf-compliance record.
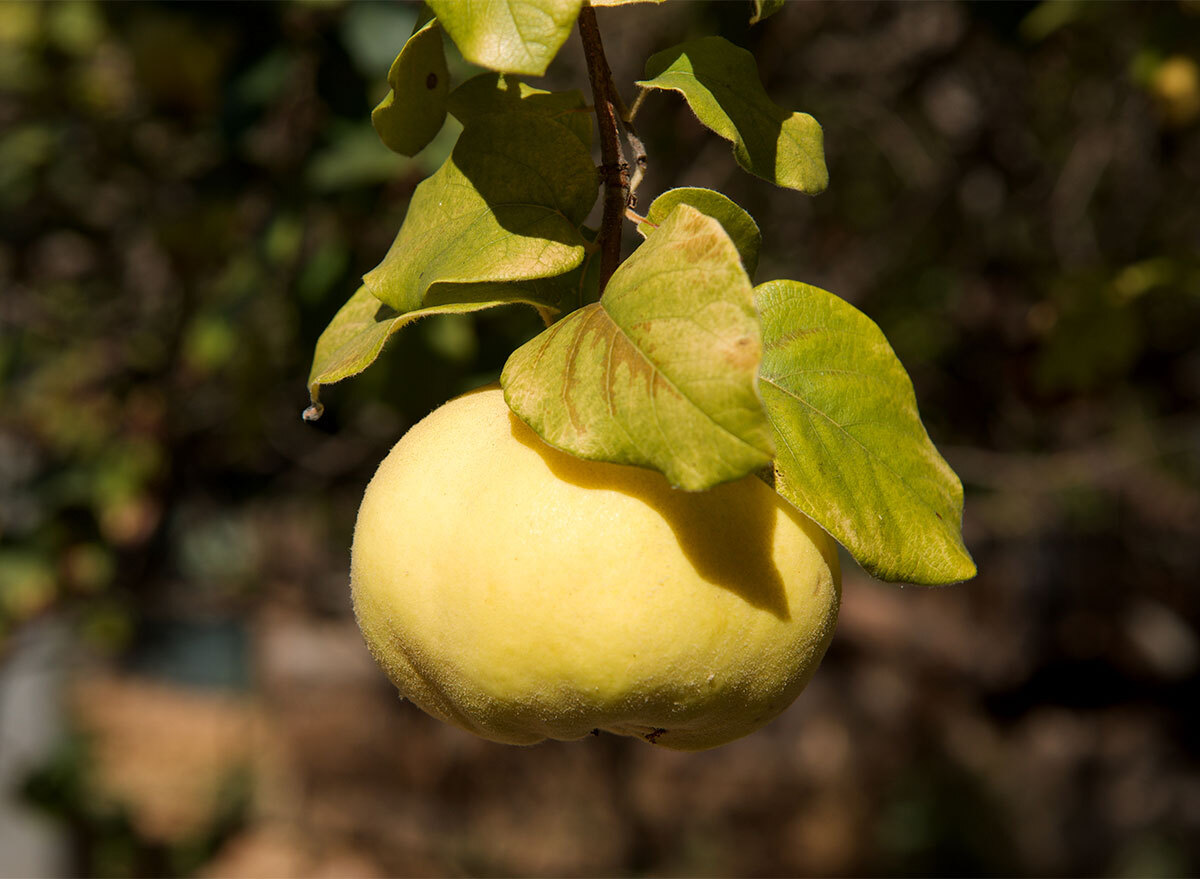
(523, 593)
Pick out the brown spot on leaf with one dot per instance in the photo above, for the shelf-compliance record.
(742, 353)
(431, 81)
(652, 736)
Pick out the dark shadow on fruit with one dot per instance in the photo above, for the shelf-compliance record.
(724, 534)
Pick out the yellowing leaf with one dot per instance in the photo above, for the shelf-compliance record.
(413, 111)
(505, 207)
(720, 83)
(738, 224)
(853, 454)
(661, 371)
(356, 336)
(511, 36)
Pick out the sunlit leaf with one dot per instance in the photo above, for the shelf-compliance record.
(765, 9)
(356, 336)
(505, 207)
(738, 224)
(511, 36)
(720, 83)
(661, 371)
(414, 110)
(496, 93)
(853, 454)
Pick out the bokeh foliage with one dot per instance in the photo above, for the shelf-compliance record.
(189, 191)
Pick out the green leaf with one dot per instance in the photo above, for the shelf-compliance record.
(496, 93)
(414, 110)
(720, 83)
(356, 336)
(511, 36)
(661, 371)
(505, 207)
(738, 224)
(353, 158)
(765, 9)
(852, 452)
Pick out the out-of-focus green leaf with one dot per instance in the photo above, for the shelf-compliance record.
(413, 111)
(738, 224)
(353, 158)
(265, 80)
(661, 371)
(323, 270)
(27, 585)
(720, 83)
(21, 25)
(853, 454)
(209, 343)
(372, 31)
(511, 36)
(1091, 343)
(496, 93)
(505, 207)
(451, 337)
(76, 28)
(765, 9)
(23, 149)
(1051, 15)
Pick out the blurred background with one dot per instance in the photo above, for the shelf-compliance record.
(189, 191)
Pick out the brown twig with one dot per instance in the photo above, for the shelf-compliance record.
(613, 170)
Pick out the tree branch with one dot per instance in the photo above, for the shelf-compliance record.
(613, 170)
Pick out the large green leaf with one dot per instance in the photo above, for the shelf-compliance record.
(720, 83)
(497, 93)
(511, 36)
(505, 207)
(413, 111)
(738, 224)
(661, 371)
(852, 452)
(356, 336)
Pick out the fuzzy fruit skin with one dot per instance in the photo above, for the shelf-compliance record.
(523, 593)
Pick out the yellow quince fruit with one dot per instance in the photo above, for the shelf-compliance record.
(523, 593)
